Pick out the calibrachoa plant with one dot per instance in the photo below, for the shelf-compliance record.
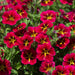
(37, 37)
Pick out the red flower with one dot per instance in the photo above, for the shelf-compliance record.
(70, 16)
(62, 30)
(20, 11)
(10, 40)
(47, 2)
(1, 8)
(33, 31)
(48, 15)
(13, 2)
(46, 66)
(42, 38)
(25, 42)
(69, 59)
(19, 27)
(24, 2)
(62, 42)
(71, 70)
(70, 2)
(65, 15)
(72, 43)
(20, 33)
(45, 25)
(28, 57)
(8, 7)
(10, 17)
(5, 68)
(73, 15)
(60, 71)
(45, 52)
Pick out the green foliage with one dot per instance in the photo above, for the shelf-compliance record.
(13, 54)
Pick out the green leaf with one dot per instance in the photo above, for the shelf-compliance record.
(18, 66)
(14, 72)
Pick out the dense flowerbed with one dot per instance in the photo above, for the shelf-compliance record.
(37, 37)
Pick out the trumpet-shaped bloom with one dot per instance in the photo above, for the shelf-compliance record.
(29, 57)
(69, 59)
(62, 42)
(19, 27)
(5, 68)
(10, 17)
(45, 25)
(25, 42)
(10, 40)
(46, 66)
(60, 70)
(47, 2)
(42, 38)
(62, 30)
(45, 52)
(48, 15)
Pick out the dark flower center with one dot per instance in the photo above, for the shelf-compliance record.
(2, 68)
(60, 73)
(29, 56)
(61, 41)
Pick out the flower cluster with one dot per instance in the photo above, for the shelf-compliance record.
(68, 67)
(42, 43)
(70, 16)
(5, 68)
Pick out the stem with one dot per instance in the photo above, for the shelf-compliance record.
(57, 4)
(73, 4)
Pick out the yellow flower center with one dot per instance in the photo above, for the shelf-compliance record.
(60, 43)
(70, 73)
(48, 68)
(12, 39)
(74, 46)
(43, 41)
(73, 31)
(22, 0)
(47, 1)
(20, 12)
(11, 18)
(2, 68)
(59, 73)
(71, 62)
(44, 27)
(49, 17)
(61, 32)
(34, 34)
(45, 52)
(26, 43)
(19, 27)
(66, 16)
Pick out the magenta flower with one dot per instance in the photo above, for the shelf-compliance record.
(29, 57)
(10, 17)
